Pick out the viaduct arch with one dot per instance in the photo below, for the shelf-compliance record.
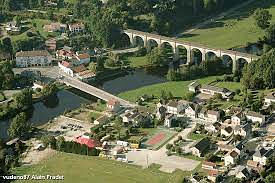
(189, 46)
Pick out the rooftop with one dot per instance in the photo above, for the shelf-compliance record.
(36, 53)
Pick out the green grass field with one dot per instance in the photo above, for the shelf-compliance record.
(178, 89)
(234, 30)
(83, 169)
(136, 62)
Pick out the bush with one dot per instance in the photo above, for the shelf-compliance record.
(169, 146)
(237, 91)
(236, 79)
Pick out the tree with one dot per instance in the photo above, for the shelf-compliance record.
(19, 125)
(118, 125)
(262, 18)
(49, 90)
(270, 34)
(23, 99)
(7, 45)
(60, 143)
(156, 57)
(189, 96)
(169, 146)
(93, 67)
(270, 178)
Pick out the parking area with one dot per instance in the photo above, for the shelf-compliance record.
(68, 127)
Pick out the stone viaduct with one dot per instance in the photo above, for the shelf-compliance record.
(189, 46)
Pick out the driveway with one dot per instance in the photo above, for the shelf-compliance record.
(145, 157)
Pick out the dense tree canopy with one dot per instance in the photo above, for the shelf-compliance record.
(260, 74)
(262, 18)
(6, 75)
(19, 125)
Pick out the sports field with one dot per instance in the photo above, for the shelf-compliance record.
(234, 30)
(157, 139)
(83, 169)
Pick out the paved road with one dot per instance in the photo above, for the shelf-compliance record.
(145, 157)
(94, 91)
(128, 50)
(211, 19)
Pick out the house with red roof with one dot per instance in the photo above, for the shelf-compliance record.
(90, 143)
(66, 67)
(113, 105)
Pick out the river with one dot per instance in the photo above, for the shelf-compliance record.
(66, 100)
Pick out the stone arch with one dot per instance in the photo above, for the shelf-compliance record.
(210, 55)
(139, 41)
(196, 56)
(227, 61)
(168, 50)
(151, 44)
(240, 63)
(125, 40)
(182, 52)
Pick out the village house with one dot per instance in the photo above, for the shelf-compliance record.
(236, 119)
(130, 116)
(169, 119)
(261, 155)
(194, 87)
(231, 158)
(12, 27)
(90, 143)
(254, 165)
(243, 173)
(212, 175)
(85, 75)
(50, 44)
(239, 148)
(161, 112)
(66, 67)
(202, 114)
(213, 128)
(200, 147)
(213, 116)
(212, 90)
(76, 27)
(33, 58)
(192, 110)
(65, 54)
(174, 107)
(243, 130)
(55, 27)
(113, 105)
(207, 165)
(226, 131)
(83, 58)
(255, 117)
(269, 99)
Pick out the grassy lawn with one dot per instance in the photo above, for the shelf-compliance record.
(178, 89)
(76, 168)
(234, 30)
(136, 62)
(194, 136)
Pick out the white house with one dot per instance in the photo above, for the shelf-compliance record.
(261, 155)
(76, 27)
(38, 84)
(255, 117)
(243, 173)
(66, 67)
(174, 107)
(213, 128)
(212, 90)
(231, 158)
(236, 119)
(113, 105)
(168, 120)
(213, 116)
(243, 130)
(192, 110)
(33, 58)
